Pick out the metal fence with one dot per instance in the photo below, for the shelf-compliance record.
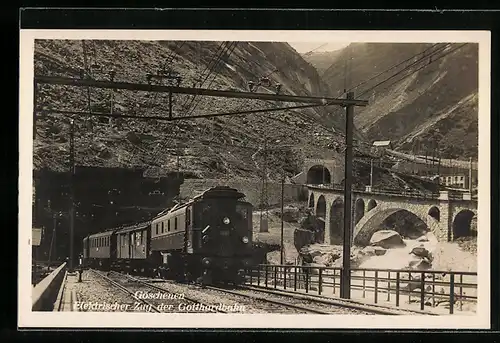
(393, 287)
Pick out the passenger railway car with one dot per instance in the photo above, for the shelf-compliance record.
(101, 249)
(208, 239)
(132, 248)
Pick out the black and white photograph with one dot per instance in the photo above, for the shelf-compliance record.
(254, 179)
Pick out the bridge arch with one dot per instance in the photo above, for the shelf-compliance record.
(435, 213)
(337, 222)
(462, 224)
(406, 223)
(359, 210)
(311, 200)
(371, 205)
(318, 175)
(320, 213)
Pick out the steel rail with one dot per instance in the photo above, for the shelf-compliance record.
(126, 290)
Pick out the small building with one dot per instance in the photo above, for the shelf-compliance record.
(455, 180)
(379, 147)
(383, 144)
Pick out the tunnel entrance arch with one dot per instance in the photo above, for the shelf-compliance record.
(461, 226)
(318, 175)
(337, 222)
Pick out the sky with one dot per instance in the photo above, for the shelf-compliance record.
(322, 46)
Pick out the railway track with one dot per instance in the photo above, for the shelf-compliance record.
(305, 306)
(370, 308)
(160, 301)
(255, 299)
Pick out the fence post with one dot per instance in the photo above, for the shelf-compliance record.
(284, 277)
(422, 290)
(376, 286)
(295, 278)
(258, 274)
(307, 280)
(275, 274)
(364, 283)
(397, 288)
(388, 286)
(320, 283)
(266, 274)
(409, 287)
(461, 291)
(433, 289)
(452, 291)
(334, 277)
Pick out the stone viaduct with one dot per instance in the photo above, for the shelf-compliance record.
(448, 215)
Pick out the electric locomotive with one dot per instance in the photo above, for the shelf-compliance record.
(207, 239)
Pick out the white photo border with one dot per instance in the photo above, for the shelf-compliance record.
(27, 318)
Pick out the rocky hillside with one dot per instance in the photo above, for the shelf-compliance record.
(207, 147)
(321, 60)
(438, 103)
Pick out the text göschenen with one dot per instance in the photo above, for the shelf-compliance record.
(158, 295)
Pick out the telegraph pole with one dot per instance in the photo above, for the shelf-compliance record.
(470, 175)
(72, 192)
(346, 263)
(282, 212)
(371, 173)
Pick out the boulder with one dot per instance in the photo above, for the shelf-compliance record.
(325, 259)
(320, 253)
(421, 251)
(387, 239)
(380, 251)
(368, 251)
(422, 264)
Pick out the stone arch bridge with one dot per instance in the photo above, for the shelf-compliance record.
(448, 215)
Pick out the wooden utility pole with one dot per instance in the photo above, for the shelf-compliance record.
(72, 192)
(345, 291)
(371, 173)
(282, 212)
(470, 175)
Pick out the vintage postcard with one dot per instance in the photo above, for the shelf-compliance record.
(254, 179)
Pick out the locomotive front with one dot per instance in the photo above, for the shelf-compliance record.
(226, 236)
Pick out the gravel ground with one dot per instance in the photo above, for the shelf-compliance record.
(158, 301)
(94, 291)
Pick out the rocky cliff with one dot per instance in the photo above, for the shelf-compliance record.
(435, 106)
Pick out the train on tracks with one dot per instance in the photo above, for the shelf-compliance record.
(207, 239)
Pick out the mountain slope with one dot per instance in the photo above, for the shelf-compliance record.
(208, 147)
(436, 104)
(321, 60)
